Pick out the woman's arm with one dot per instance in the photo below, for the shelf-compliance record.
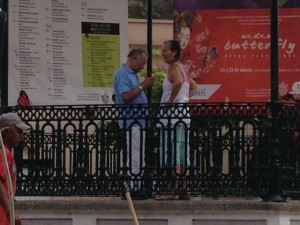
(193, 87)
(176, 79)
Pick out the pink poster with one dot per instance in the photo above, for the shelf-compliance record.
(227, 52)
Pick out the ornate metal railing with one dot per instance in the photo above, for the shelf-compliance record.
(81, 150)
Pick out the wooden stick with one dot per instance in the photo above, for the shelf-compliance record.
(131, 207)
(9, 183)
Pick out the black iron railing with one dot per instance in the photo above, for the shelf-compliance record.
(81, 150)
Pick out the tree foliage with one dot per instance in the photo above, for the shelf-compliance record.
(161, 9)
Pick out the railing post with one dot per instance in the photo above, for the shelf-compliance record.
(275, 179)
(149, 47)
(149, 144)
(275, 175)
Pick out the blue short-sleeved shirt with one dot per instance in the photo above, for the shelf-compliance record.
(125, 80)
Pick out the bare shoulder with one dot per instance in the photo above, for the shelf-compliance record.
(177, 67)
(175, 74)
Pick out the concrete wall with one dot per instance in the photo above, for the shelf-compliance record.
(199, 211)
(162, 30)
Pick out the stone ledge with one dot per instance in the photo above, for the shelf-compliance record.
(196, 205)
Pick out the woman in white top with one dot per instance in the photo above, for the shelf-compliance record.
(177, 88)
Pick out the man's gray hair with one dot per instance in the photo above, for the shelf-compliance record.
(134, 53)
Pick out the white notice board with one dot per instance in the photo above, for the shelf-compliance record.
(65, 52)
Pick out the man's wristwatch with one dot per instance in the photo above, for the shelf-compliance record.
(140, 87)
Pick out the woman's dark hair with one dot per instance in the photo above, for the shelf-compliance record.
(175, 47)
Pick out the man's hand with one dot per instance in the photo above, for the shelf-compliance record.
(148, 81)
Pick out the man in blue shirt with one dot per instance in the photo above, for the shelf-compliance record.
(129, 91)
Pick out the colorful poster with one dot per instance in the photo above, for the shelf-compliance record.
(226, 48)
(65, 52)
(101, 53)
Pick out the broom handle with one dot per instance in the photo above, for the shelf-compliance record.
(9, 183)
(131, 208)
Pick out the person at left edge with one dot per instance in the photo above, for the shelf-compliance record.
(11, 128)
(129, 91)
